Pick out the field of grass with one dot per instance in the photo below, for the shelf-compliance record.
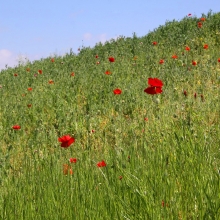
(131, 155)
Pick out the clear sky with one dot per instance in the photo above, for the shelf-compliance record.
(41, 28)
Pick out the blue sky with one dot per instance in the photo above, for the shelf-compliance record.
(38, 29)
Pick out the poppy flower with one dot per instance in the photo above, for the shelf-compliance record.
(189, 15)
(96, 56)
(174, 56)
(107, 72)
(194, 63)
(40, 71)
(155, 82)
(51, 82)
(185, 93)
(73, 160)
(161, 61)
(146, 119)
(15, 74)
(111, 59)
(219, 60)
(29, 105)
(187, 48)
(72, 74)
(195, 95)
(16, 127)
(66, 141)
(67, 169)
(206, 46)
(117, 91)
(29, 89)
(202, 19)
(120, 177)
(153, 90)
(101, 164)
(154, 43)
(199, 24)
(52, 60)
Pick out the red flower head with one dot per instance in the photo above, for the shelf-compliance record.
(107, 72)
(199, 24)
(29, 89)
(16, 127)
(153, 90)
(51, 82)
(194, 63)
(117, 91)
(52, 60)
(15, 74)
(73, 160)
(202, 19)
(219, 60)
(101, 164)
(174, 56)
(111, 59)
(29, 105)
(161, 61)
(96, 56)
(206, 46)
(195, 95)
(40, 71)
(66, 141)
(189, 15)
(187, 48)
(155, 86)
(185, 93)
(154, 43)
(72, 74)
(155, 82)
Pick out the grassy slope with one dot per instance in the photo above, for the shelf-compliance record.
(174, 156)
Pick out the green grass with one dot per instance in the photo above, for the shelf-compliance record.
(166, 167)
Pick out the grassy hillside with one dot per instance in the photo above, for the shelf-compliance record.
(131, 154)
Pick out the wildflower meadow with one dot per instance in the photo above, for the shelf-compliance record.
(129, 129)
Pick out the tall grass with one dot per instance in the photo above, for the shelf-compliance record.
(161, 151)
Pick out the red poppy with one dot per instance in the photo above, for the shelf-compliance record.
(66, 141)
(174, 56)
(72, 74)
(194, 63)
(111, 59)
(161, 61)
(202, 19)
(120, 177)
(146, 119)
(52, 60)
(153, 90)
(199, 24)
(15, 74)
(101, 164)
(219, 60)
(29, 89)
(195, 95)
(185, 93)
(51, 82)
(107, 72)
(155, 82)
(73, 160)
(16, 127)
(187, 48)
(40, 71)
(96, 56)
(154, 43)
(206, 46)
(29, 105)
(189, 15)
(117, 91)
